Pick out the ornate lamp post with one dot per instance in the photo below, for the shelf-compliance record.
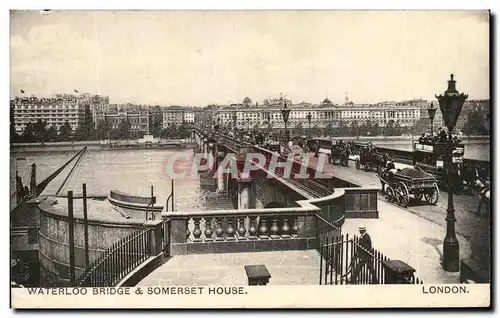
(285, 112)
(450, 103)
(309, 117)
(432, 112)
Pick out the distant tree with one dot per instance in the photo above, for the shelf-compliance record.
(183, 131)
(39, 130)
(85, 131)
(328, 130)
(398, 130)
(65, 131)
(123, 131)
(375, 131)
(247, 101)
(103, 130)
(389, 128)
(421, 126)
(343, 129)
(316, 131)
(28, 133)
(298, 130)
(269, 127)
(157, 122)
(475, 124)
(366, 128)
(266, 102)
(51, 134)
(354, 129)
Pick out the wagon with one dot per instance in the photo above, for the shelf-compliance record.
(409, 181)
(370, 158)
(341, 153)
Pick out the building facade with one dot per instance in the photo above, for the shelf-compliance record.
(173, 117)
(382, 114)
(54, 111)
(189, 117)
(75, 109)
(140, 122)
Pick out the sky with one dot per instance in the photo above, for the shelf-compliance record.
(203, 57)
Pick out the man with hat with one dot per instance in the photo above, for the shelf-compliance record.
(363, 257)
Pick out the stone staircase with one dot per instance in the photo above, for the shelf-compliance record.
(218, 201)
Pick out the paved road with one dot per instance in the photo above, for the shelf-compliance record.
(474, 228)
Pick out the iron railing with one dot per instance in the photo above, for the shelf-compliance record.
(118, 260)
(327, 231)
(344, 261)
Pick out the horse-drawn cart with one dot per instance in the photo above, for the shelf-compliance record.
(370, 158)
(400, 184)
(341, 153)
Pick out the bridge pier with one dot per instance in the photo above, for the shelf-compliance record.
(221, 176)
(246, 193)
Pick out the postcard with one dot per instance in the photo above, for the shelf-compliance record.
(250, 159)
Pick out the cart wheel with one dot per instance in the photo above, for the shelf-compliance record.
(404, 194)
(358, 166)
(391, 196)
(432, 195)
(418, 194)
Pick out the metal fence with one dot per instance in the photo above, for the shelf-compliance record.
(326, 231)
(119, 260)
(345, 262)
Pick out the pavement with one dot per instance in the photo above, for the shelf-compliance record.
(285, 267)
(475, 229)
(398, 234)
(407, 237)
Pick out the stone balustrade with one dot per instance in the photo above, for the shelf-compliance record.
(225, 231)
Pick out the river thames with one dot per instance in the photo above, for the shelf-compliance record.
(135, 171)
(130, 171)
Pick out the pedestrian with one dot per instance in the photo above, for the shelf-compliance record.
(363, 256)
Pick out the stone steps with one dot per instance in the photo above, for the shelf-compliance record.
(218, 202)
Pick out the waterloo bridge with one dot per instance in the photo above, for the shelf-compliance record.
(257, 212)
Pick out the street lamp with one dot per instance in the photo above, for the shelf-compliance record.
(309, 117)
(285, 112)
(450, 103)
(432, 112)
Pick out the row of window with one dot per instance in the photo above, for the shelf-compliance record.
(35, 118)
(33, 107)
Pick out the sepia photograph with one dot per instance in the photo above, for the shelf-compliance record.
(245, 159)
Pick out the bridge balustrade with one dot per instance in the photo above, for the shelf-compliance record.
(250, 230)
(242, 230)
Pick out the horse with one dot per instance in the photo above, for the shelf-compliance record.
(369, 157)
